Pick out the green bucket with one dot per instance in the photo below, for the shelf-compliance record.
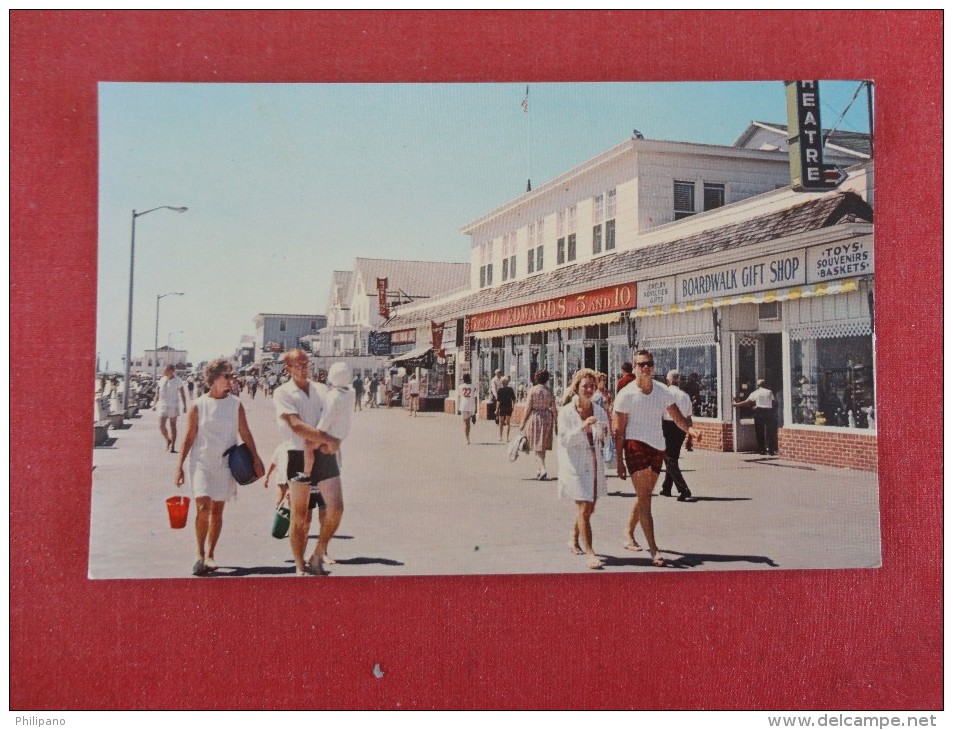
(281, 523)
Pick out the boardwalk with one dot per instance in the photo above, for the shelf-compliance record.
(418, 501)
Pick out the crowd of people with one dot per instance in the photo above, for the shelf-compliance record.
(638, 427)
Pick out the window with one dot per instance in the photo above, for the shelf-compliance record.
(314, 325)
(832, 382)
(603, 222)
(699, 374)
(714, 195)
(489, 274)
(509, 256)
(571, 238)
(281, 325)
(684, 199)
(530, 261)
(539, 258)
(560, 251)
(486, 267)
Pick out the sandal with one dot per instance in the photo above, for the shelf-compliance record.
(632, 545)
(575, 549)
(594, 563)
(658, 561)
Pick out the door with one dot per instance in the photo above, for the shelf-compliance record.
(744, 368)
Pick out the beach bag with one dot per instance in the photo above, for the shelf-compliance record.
(241, 463)
(608, 450)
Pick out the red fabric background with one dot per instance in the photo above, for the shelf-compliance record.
(802, 639)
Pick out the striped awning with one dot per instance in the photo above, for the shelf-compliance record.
(549, 326)
(773, 295)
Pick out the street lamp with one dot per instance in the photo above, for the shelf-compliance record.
(155, 359)
(132, 268)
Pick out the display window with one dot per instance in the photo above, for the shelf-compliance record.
(832, 381)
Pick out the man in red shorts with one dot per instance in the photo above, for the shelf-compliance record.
(637, 411)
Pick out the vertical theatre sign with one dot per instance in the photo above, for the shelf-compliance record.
(809, 173)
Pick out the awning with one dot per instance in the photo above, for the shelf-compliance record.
(421, 357)
(774, 295)
(548, 326)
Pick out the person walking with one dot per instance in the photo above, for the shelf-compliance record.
(539, 420)
(358, 386)
(466, 403)
(765, 417)
(216, 421)
(505, 400)
(299, 404)
(583, 424)
(168, 392)
(413, 393)
(637, 413)
(372, 391)
(674, 438)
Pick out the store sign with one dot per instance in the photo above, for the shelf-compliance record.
(382, 298)
(657, 292)
(378, 343)
(745, 277)
(837, 261)
(598, 301)
(806, 140)
(403, 337)
(436, 338)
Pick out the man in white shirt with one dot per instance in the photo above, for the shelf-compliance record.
(168, 391)
(765, 418)
(637, 411)
(674, 438)
(299, 405)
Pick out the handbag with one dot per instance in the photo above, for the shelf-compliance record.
(241, 463)
(518, 444)
(608, 450)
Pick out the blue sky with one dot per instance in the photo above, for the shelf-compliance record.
(286, 183)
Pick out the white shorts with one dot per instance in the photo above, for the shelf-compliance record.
(467, 415)
(168, 411)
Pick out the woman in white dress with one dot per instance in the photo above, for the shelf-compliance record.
(583, 426)
(216, 420)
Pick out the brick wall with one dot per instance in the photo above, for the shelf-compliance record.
(846, 450)
(716, 435)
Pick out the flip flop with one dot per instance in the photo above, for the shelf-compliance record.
(633, 546)
(658, 561)
(575, 549)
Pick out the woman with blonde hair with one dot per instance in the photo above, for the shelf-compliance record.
(583, 426)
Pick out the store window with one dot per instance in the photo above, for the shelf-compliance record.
(698, 367)
(832, 382)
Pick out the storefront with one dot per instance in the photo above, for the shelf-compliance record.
(561, 334)
(812, 341)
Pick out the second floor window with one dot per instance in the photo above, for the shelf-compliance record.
(281, 325)
(684, 199)
(714, 195)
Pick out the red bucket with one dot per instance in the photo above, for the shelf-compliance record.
(178, 511)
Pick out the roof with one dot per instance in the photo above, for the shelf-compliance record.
(817, 213)
(413, 278)
(857, 142)
(341, 286)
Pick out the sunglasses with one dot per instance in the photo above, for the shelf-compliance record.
(646, 364)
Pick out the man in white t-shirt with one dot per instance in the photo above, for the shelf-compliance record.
(168, 391)
(765, 418)
(299, 405)
(466, 402)
(638, 410)
(674, 438)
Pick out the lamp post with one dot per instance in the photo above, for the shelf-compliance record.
(155, 358)
(132, 268)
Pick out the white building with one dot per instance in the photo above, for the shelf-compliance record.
(705, 255)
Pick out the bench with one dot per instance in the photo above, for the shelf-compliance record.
(100, 432)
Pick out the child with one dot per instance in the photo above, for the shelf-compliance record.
(279, 464)
(335, 419)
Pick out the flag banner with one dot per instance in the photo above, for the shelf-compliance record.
(382, 298)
